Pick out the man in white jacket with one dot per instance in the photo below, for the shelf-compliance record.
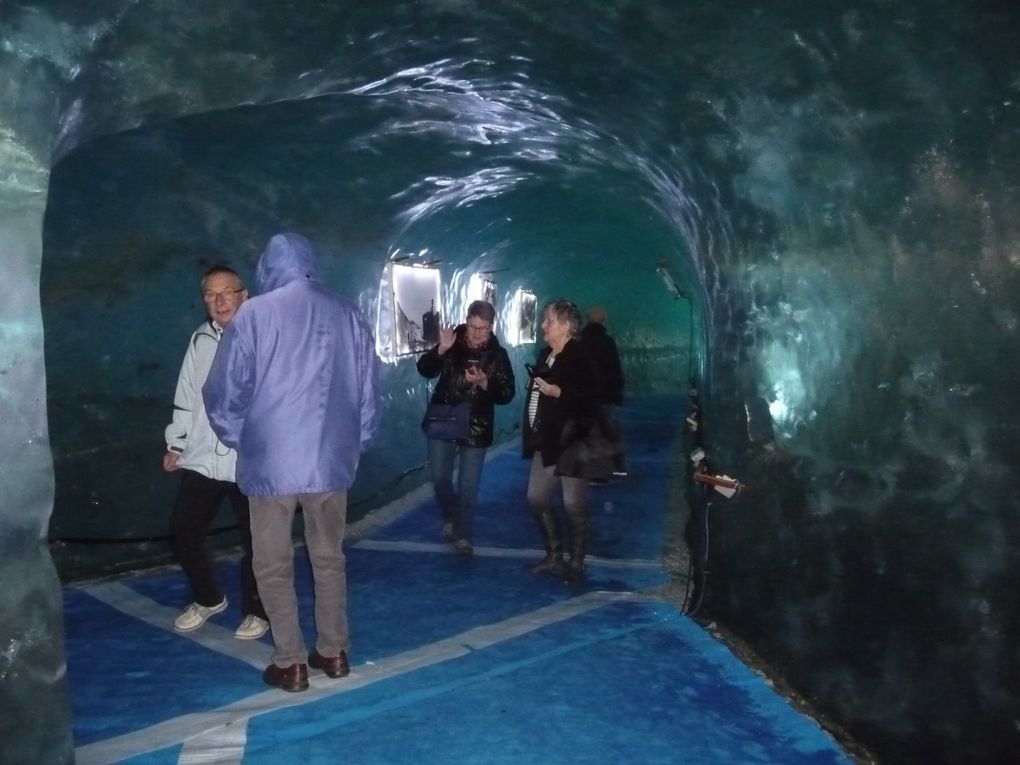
(207, 471)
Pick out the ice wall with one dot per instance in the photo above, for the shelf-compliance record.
(835, 187)
(34, 711)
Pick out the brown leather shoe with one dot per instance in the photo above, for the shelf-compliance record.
(291, 679)
(334, 667)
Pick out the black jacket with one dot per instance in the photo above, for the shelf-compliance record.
(602, 349)
(452, 386)
(578, 403)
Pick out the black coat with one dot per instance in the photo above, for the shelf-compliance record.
(578, 403)
(602, 349)
(453, 387)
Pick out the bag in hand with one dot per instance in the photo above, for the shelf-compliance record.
(447, 422)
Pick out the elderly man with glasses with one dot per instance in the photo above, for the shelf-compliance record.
(207, 471)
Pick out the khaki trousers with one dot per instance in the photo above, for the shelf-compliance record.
(325, 517)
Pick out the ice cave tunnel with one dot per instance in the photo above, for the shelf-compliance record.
(808, 212)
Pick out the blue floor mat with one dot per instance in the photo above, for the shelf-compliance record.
(620, 684)
(117, 664)
(454, 659)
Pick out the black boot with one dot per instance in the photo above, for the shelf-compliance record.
(552, 563)
(574, 573)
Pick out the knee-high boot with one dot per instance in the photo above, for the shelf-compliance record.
(552, 563)
(574, 572)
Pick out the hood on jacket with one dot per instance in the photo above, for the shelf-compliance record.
(287, 258)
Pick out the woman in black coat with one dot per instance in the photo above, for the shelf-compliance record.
(472, 367)
(562, 401)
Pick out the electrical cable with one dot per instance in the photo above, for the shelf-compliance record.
(699, 504)
(699, 573)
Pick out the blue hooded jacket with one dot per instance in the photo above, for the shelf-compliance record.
(293, 384)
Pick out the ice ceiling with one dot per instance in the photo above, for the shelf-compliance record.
(835, 185)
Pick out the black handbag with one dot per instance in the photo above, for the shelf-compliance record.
(592, 450)
(447, 422)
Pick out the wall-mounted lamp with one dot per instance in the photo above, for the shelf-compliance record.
(679, 294)
(670, 283)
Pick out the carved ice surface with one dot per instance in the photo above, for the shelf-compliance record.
(835, 189)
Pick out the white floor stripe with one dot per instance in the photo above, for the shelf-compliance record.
(186, 727)
(221, 746)
(210, 635)
(219, 737)
(386, 514)
(500, 552)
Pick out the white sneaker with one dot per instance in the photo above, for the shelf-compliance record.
(252, 628)
(194, 616)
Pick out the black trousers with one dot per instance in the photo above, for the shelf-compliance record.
(198, 500)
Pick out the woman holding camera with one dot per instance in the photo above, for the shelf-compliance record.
(562, 400)
(474, 372)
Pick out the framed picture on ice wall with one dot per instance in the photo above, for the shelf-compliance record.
(415, 308)
(524, 310)
(489, 292)
(482, 288)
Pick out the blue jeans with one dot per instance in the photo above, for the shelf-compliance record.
(457, 504)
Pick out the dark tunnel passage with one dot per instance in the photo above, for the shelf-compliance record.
(833, 190)
(132, 218)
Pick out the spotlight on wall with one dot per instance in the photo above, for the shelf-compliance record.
(670, 282)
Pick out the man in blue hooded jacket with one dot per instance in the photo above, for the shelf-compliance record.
(293, 389)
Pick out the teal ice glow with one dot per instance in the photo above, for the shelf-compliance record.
(833, 187)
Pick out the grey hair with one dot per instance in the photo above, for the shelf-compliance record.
(221, 269)
(566, 312)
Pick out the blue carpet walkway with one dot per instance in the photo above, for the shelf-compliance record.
(454, 660)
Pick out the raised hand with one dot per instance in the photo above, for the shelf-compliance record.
(447, 337)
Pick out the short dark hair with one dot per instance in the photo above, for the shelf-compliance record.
(221, 269)
(483, 310)
(566, 312)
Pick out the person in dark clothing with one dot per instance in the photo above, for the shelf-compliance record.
(473, 366)
(602, 349)
(563, 395)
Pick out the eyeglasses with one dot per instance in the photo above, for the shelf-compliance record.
(479, 327)
(210, 297)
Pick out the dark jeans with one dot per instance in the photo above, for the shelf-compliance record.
(458, 503)
(198, 500)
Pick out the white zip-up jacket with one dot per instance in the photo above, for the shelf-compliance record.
(190, 433)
